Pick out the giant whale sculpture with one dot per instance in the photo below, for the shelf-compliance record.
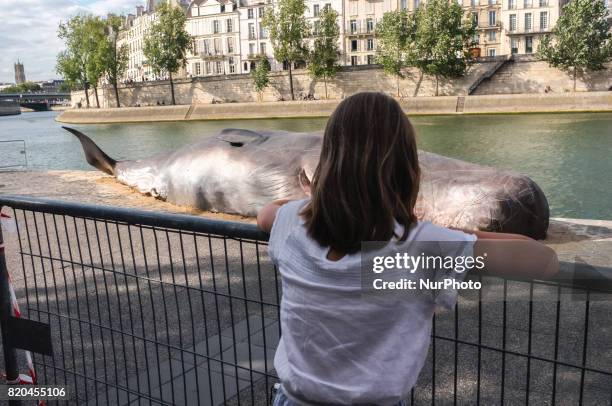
(239, 171)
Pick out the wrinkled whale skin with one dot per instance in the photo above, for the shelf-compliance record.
(239, 171)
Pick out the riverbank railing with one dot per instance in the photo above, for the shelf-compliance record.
(124, 306)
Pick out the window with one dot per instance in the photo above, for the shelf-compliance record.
(315, 10)
(230, 45)
(353, 60)
(197, 69)
(245, 67)
(370, 25)
(475, 38)
(353, 24)
(370, 59)
(215, 26)
(251, 31)
(354, 45)
(514, 46)
(512, 22)
(263, 33)
(415, 4)
(492, 36)
(316, 27)
(492, 2)
(249, 13)
(543, 20)
(370, 44)
(217, 44)
(475, 19)
(223, 8)
(219, 67)
(528, 45)
(527, 3)
(208, 68)
(262, 48)
(232, 67)
(491, 52)
(228, 23)
(528, 22)
(403, 5)
(492, 18)
(261, 12)
(543, 3)
(251, 48)
(511, 4)
(473, 3)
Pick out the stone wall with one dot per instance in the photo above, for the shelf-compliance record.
(528, 75)
(8, 108)
(239, 88)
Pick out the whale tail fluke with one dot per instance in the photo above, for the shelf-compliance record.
(94, 155)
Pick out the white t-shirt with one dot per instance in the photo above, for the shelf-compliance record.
(338, 347)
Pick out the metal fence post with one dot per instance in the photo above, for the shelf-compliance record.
(10, 353)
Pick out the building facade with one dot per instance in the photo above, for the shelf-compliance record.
(254, 38)
(360, 28)
(19, 73)
(525, 22)
(133, 34)
(486, 15)
(214, 27)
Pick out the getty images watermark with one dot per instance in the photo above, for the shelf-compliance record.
(423, 266)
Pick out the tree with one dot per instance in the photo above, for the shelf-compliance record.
(168, 42)
(260, 75)
(112, 60)
(323, 59)
(443, 38)
(26, 87)
(581, 38)
(394, 37)
(93, 43)
(73, 61)
(288, 28)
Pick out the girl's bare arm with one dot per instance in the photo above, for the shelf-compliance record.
(513, 255)
(266, 216)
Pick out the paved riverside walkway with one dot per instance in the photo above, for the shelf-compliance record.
(172, 376)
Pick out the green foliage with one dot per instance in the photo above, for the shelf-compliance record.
(112, 61)
(93, 42)
(288, 29)
(26, 87)
(443, 38)
(581, 38)
(260, 74)
(323, 58)
(73, 62)
(167, 42)
(395, 42)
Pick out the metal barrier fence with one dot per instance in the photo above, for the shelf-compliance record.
(166, 309)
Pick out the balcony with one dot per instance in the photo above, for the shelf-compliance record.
(212, 55)
(487, 26)
(253, 57)
(524, 31)
(359, 30)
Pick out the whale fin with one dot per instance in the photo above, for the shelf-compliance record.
(94, 155)
(237, 137)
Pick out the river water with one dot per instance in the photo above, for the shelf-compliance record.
(569, 155)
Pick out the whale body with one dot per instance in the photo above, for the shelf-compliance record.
(239, 171)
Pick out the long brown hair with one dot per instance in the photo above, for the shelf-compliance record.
(367, 177)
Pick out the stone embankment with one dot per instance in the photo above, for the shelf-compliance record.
(485, 104)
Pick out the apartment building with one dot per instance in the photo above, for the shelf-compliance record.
(214, 27)
(525, 22)
(254, 38)
(133, 34)
(361, 17)
(486, 15)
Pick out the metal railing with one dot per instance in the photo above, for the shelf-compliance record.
(156, 308)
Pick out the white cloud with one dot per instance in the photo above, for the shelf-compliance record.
(28, 31)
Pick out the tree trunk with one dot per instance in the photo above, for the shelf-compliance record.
(96, 93)
(291, 82)
(172, 88)
(574, 79)
(437, 81)
(398, 87)
(86, 93)
(325, 82)
(116, 93)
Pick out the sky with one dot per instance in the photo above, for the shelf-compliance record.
(28, 32)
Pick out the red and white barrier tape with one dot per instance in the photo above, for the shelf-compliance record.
(22, 379)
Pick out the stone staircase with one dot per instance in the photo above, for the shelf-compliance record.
(489, 73)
